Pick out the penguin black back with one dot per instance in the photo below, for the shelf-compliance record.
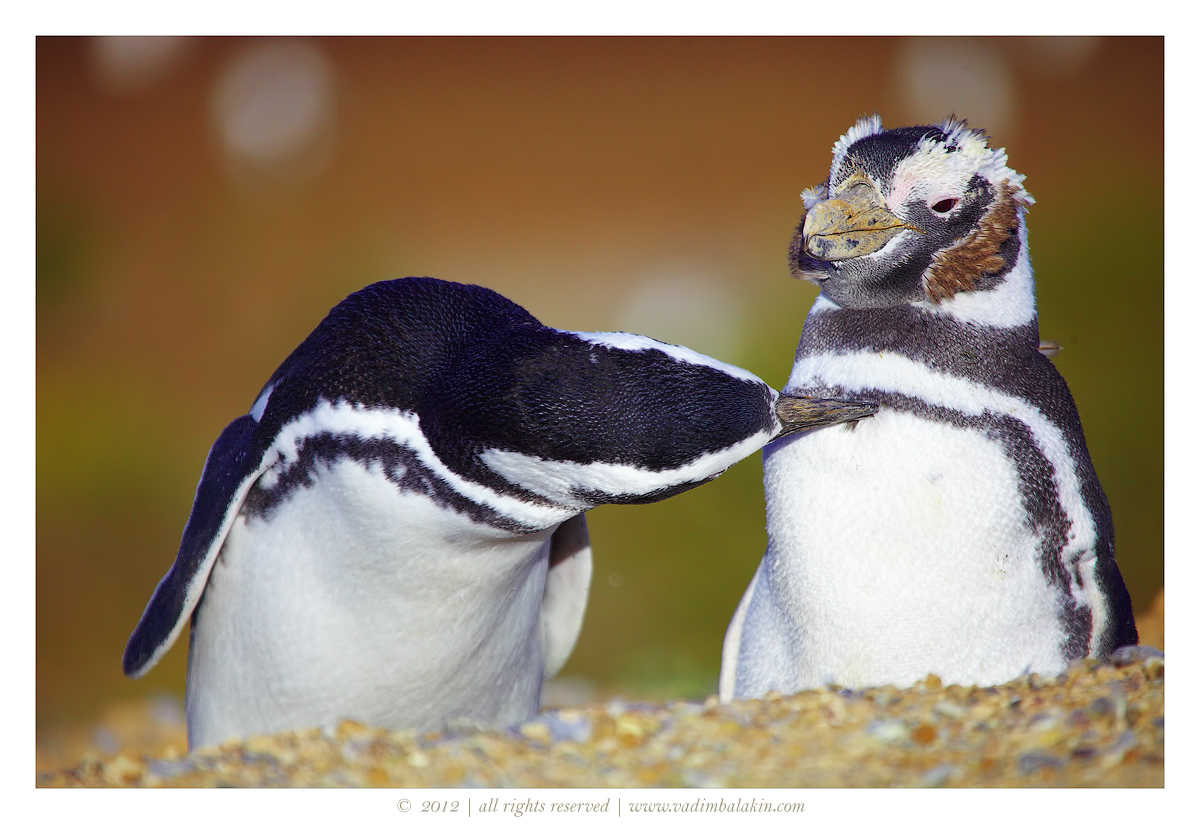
(387, 344)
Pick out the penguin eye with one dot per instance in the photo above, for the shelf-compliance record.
(943, 206)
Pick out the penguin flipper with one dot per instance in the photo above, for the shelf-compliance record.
(233, 465)
(565, 598)
(731, 650)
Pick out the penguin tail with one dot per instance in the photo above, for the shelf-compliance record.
(798, 413)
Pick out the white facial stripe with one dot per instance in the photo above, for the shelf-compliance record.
(892, 372)
(555, 480)
(640, 343)
(932, 173)
(401, 428)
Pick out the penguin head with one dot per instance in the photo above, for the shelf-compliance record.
(918, 214)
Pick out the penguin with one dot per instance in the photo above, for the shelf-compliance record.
(395, 532)
(961, 531)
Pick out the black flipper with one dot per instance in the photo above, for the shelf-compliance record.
(233, 465)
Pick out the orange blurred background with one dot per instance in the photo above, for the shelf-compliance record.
(201, 203)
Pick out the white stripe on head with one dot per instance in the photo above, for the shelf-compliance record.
(940, 169)
(559, 480)
(630, 342)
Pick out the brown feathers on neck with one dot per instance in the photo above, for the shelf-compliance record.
(961, 267)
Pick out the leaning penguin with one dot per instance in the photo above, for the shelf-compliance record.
(962, 530)
(395, 531)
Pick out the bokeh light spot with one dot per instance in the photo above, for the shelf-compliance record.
(967, 77)
(274, 105)
(127, 65)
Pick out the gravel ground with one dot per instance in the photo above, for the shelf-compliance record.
(1098, 725)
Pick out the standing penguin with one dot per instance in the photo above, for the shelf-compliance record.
(395, 531)
(961, 531)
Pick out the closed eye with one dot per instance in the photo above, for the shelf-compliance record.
(943, 206)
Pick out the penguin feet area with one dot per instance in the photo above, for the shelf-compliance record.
(1097, 725)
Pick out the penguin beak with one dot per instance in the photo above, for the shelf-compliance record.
(852, 223)
(797, 413)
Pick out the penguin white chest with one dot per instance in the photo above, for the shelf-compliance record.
(354, 599)
(899, 547)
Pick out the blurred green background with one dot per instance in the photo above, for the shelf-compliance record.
(201, 203)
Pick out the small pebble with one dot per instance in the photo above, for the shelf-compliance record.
(1037, 760)
(925, 734)
(887, 731)
(1115, 754)
(564, 727)
(949, 709)
(1045, 721)
(536, 731)
(1125, 656)
(937, 777)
